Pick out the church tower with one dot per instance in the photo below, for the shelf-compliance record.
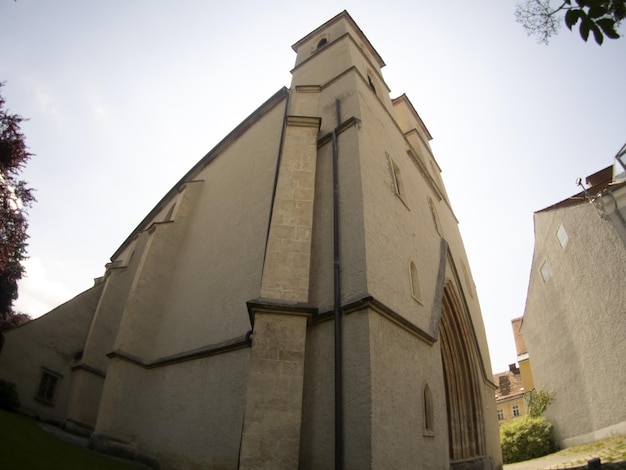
(366, 307)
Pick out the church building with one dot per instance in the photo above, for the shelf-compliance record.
(301, 298)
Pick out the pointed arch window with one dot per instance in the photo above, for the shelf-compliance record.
(396, 179)
(416, 285)
(436, 221)
(370, 82)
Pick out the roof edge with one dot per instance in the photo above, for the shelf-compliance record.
(268, 105)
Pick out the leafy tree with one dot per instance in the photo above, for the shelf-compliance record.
(15, 199)
(600, 17)
(537, 401)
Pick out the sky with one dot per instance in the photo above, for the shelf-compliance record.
(124, 96)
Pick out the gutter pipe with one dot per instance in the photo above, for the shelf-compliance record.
(337, 303)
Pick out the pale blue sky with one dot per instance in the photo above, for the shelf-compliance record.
(124, 97)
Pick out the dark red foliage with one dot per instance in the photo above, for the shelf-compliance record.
(15, 199)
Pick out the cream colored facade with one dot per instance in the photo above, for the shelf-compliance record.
(510, 400)
(574, 320)
(215, 341)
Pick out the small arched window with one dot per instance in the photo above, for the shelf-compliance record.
(396, 178)
(321, 43)
(429, 416)
(416, 286)
(436, 221)
(371, 84)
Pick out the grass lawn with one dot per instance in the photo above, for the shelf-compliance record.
(24, 445)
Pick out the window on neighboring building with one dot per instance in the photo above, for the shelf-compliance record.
(500, 414)
(561, 235)
(429, 428)
(516, 410)
(416, 286)
(47, 386)
(545, 271)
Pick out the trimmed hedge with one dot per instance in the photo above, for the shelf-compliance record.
(526, 438)
(9, 399)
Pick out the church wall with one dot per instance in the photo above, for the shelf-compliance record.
(204, 265)
(491, 425)
(219, 265)
(89, 372)
(317, 444)
(186, 414)
(103, 331)
(48, 345)
(195, 415)
(317, 447)
(402, 365)
(352, 248)
(357, 397)
(574, 323)
(399, 229)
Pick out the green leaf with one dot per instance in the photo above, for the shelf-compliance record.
(585, 27)
(608, 27)
(596, 12)
(571, 17)
(597, 4)
(598, 36)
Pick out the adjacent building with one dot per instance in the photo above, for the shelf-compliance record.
(301, 298)
(523, 359)
(515, 382)
(509, 395)
(575, 315)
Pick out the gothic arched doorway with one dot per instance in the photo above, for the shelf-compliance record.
(460, 357)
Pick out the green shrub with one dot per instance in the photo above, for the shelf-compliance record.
(8, 396)
(526, 438)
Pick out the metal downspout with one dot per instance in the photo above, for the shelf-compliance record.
(337, 304)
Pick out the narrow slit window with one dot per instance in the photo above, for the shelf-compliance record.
(429, 415)
(371, 84)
